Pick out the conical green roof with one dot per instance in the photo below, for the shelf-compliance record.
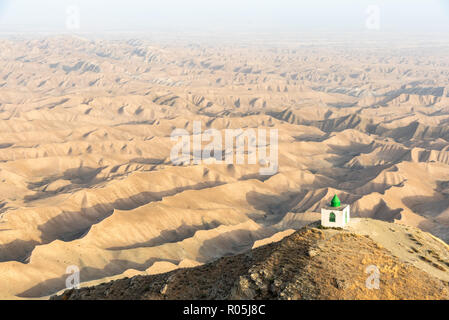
(335, 203)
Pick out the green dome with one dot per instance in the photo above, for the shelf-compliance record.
(335, 203)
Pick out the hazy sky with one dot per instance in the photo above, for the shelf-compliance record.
(212, 15)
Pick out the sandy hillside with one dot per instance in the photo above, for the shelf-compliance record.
(86, 177)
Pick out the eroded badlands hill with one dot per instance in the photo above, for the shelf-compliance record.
(86, 178)
(312, 263)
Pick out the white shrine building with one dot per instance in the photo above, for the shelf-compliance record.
(335, 215)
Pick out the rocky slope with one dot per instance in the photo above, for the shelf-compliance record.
(86, 178)
(312, 263)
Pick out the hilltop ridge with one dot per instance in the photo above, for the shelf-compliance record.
(312, 263)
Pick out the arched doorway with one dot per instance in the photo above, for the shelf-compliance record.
(332, 217)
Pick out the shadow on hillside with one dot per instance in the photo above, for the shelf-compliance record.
(274, 207)
(71, 225)
(380, 212)
(231, 243)
(83, 177)
(427, 206)
(113, 268)
(17, 250)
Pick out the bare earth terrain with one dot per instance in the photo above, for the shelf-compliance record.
(86, 178)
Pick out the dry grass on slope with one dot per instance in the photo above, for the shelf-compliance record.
(312, 263)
